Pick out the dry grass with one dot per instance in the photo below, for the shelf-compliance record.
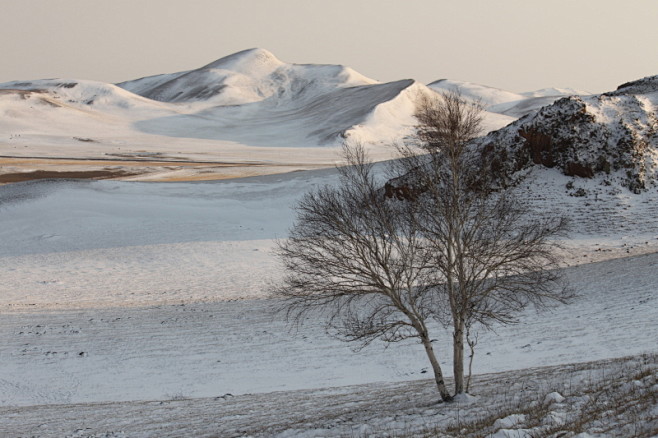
(618, 401)
(53, 174)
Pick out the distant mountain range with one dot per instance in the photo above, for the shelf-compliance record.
(251, 98)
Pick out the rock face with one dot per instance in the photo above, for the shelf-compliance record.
(612, 135)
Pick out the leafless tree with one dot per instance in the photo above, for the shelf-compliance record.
(381, 259)
(488, 258)
(354, 257)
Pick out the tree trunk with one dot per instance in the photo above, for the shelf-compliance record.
(458, 356)
(438, 374)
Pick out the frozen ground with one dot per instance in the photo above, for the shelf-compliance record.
(565, 400)
(114, 244)
(152, 299)
(240, 347)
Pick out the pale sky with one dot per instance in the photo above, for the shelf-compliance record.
(517, 45)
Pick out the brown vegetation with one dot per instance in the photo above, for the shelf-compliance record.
(51, 174)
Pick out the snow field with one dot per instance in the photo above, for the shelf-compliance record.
(211, 348)
(568, 398)
(120, 292)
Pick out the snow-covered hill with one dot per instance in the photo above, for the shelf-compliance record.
(611, 136)
(247, 109)
(495, 100)
(120, 292)
(254, 98)
(71, 107)
(249, 76)
(249, 99)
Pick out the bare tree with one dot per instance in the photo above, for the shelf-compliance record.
(354, 257)
(488, 258)
(439, 242)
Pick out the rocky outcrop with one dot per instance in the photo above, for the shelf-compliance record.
(612, 135)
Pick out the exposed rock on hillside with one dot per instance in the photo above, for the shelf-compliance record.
(613, 136)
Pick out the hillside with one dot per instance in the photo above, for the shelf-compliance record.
(236, 116)
(612, 137)
(252, 97)
(249, 76)
(249, 98)
(495, 100)
(126, 303)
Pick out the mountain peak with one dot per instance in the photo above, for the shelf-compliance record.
(645, 85)
(247, 61)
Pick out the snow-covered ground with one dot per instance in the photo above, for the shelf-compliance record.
(606, 398)
(144, 309)
(158, 292)
(208, 349)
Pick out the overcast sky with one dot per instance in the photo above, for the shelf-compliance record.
(518, 45)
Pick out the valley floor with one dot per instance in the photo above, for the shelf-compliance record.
(611, 398)
(134, 310)
(218, 368)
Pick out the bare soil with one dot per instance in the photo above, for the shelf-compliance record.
(19, 169)
(51, 174)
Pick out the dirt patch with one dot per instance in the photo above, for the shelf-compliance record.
(51, 174)
(55, 161)
(138, 169)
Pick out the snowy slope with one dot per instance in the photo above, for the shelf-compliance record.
(503, 102)
(254, 98)
(117, 291)
(245, 77)
(249, 99)
(65, 242)
(386, 410)
(555, 92)
(611, 136)
(488, 96)
(207, 349)
(61, 107)
(140, 246)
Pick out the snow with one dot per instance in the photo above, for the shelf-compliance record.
(553, 397)
(382, 409)
(116, 291)
(561, 92)
(488, 96)
(144, 309)
(210, 347)
(238, 116)
(502, 102)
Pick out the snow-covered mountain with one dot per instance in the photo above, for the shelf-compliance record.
(245, 77)
(495, 100)
(253, 97)
(613, 136)
(249, 98)
(252, 107)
